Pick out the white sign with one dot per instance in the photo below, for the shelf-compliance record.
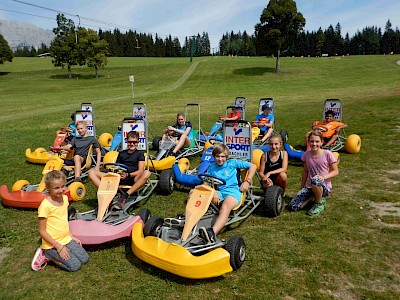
(87, 117)
(134, 125)
(132, 78)
(139, 112)
(336, 106)
(237, 137)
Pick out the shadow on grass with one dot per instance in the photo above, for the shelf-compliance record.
(75, 76)
(161, 274)
(254, 71)
(4, 73)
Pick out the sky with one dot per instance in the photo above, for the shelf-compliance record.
(183, 18)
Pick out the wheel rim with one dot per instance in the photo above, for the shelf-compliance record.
(242, 253)
(279, 203)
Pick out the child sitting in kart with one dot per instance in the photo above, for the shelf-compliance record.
(181, 132)
(81, 144)
(265, 122)
(229, 194)
(329, 129)
(136, 176)
(273, 165)
(234, 115)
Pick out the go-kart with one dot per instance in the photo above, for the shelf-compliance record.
(41, 155)
(107, 223)
(174, 244)
(351, 143)
(25, 195)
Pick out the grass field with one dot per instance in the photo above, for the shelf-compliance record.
(351, 251)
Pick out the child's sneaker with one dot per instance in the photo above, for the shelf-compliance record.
(39, 260)
(207, 234)
(317, 208)
(119, 203)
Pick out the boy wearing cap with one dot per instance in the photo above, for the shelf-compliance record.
(265, 122)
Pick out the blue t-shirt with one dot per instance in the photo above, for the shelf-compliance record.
(270, 118)
(228, 172)
(187, 124)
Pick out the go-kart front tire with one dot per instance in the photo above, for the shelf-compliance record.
(20, 185)
(144, 214)
(77, 191)
(167, 181)
(237, 251)
(353, 143)
(71, 213)
(152, 226)
(156, 143)
(273, 201)
(105, 139)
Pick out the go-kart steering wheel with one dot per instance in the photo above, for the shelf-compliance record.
(116, 167)
(211, 178)
(59, 149)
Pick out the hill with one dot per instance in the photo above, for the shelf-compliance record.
(19, 34)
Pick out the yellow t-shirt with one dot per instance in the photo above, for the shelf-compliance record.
(57, 221)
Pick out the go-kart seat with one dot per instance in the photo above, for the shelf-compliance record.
(193, 134)
(88, 162)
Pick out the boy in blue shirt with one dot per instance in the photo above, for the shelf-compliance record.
(265, 122)
(230, 193)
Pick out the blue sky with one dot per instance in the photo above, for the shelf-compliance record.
(183, 18)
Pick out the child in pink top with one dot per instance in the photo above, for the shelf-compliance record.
(319, 167)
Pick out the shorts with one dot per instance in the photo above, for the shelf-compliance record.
(234, 192)
(306, 193)
(71, 163)
(127, 181)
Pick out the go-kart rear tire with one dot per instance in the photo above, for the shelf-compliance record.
(284, 135)
(184, 165)
(257, 153)
(71, 213)
(156, 143)
(353, 143)
(237, 251)
(144, 214)
(20, 185)
(152, 226)
(40, 150)
(77, 191)
(105, 139)
(273, 201)
(166, 181)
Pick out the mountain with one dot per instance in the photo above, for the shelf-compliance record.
(20, 34)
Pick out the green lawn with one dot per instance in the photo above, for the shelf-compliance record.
(351, 251)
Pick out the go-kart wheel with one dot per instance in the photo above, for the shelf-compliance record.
(110, 157)
(273, 201)
(237, 251)
(71, 213)
(211, 178)
(153, 226)
(257, 153)
(105, 139)
(77, 191)
(116, 167)
(337, 155)
(20, 185)
(284, 135)
(184, 165)
(167, 181)
(156, 143)
(144, 214)
(353, 143)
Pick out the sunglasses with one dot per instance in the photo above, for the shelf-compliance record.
(132, 142)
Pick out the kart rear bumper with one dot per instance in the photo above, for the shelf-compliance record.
(178, 260)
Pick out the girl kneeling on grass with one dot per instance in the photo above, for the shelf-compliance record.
(319, 167)
(58, 245)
